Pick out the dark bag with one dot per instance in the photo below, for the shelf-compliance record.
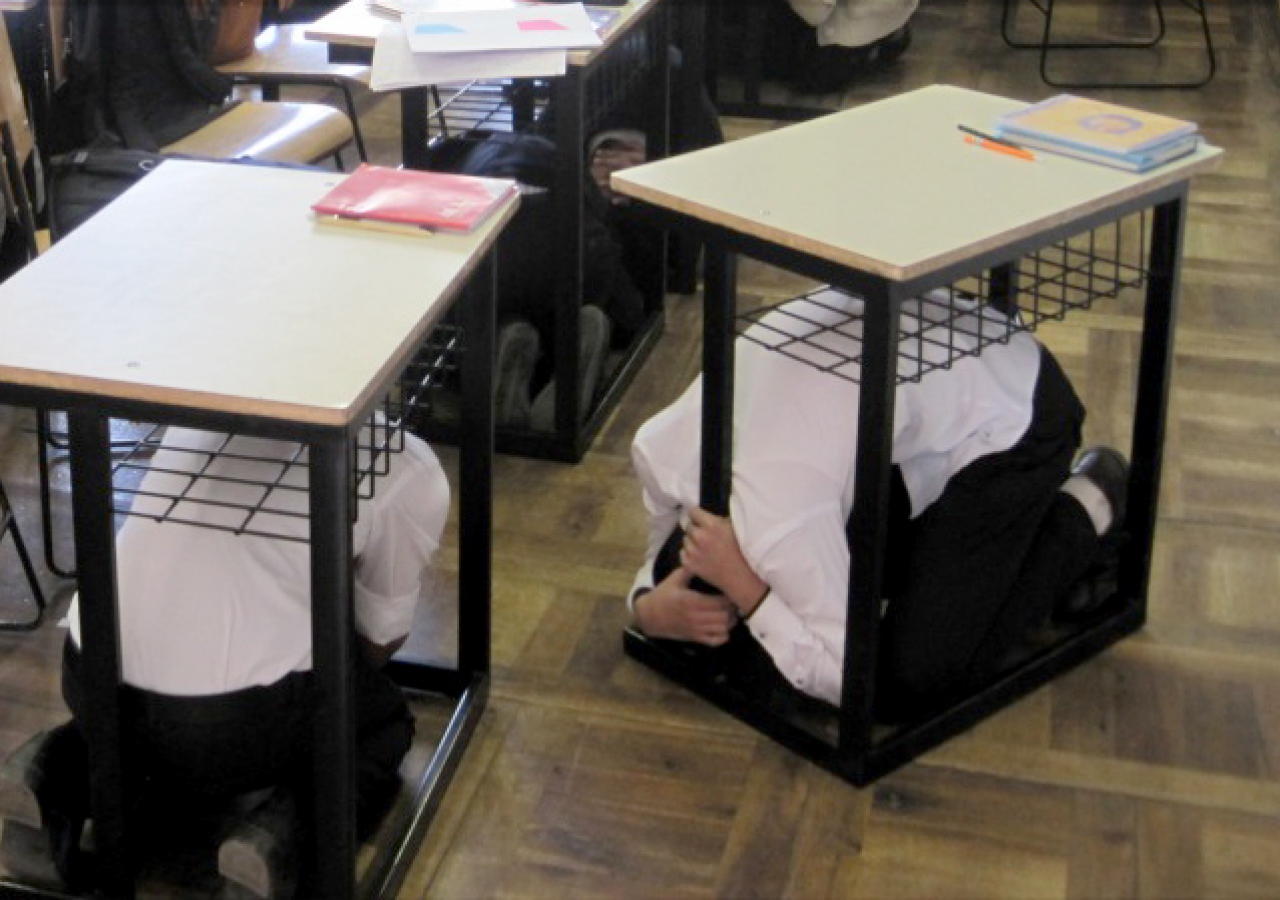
(530, 243)
(159, 86)
(84, 181)
(225, 29)
(77, 113)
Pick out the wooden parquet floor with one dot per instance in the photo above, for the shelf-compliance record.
(1152, 771)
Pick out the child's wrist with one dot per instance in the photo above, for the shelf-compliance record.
(747, 610)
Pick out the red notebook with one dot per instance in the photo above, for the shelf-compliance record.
(428, 200)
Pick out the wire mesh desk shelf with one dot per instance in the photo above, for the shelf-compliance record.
(619, 86)
(1117, 262)
(260, 488)
(517, 105)
(1044, 285)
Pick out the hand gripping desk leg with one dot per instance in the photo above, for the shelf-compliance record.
(851, 745)
(1117, 240)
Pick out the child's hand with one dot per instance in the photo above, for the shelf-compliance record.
(711, 552)
(675, 611)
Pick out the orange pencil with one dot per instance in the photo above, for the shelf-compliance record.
(999, 148)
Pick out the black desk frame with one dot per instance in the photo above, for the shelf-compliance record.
(852, 746)
(708, 16)
(581, 100)
(332, 507)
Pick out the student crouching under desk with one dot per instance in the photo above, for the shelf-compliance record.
(995, 522)
(215, 632)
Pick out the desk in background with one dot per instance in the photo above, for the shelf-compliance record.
(886, 201)
(631, 69)
(207, 297)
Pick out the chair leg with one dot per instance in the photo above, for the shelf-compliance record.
(46, 438)
(1045, 7)
(1046, 43)
(355, 121)
(9, 525)
(440, 115)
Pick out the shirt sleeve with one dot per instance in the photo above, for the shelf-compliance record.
(405, 521)
(801, 623)
(664, 453)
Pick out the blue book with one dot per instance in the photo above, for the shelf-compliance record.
(1129, 162)
(1104, 130)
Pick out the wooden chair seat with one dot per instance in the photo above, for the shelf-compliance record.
(276, 132)
(284, 52)
(284, 56)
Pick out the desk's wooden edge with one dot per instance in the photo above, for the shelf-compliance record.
(622, 26)
(113, 390)
(920, 268)
(575, 58)
(116, 390)
(780, 237)
(1149, 186)
(494, 225)
(341, 39)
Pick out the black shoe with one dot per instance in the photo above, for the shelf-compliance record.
(888, 49)
(19, 776)
(517, 352)
(828, 69)
(595, 332)
(1096, 587)
(259, 857)
(1107, 469)
(834, 67)
(44, 784)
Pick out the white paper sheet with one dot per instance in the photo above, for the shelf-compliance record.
(396, 66)
(561, 26)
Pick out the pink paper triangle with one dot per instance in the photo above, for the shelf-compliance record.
(540, 25)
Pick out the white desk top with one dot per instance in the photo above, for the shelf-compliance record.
(891, 188)
(354, 25)
(210, 286)
(17, 5)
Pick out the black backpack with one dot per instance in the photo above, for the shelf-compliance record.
(530, 243)
(135, 77)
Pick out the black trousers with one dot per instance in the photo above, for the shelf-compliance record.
(197, 753)
(971, 576)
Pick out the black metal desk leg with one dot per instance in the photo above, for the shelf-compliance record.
(694, 37)
(334, 767)
(1151, 404)
(415, 127)
(570, 111)
(868, 526)
(475, 464)
(90, 436)
(1004, 289)
(719, 306)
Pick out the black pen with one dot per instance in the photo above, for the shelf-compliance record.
(990, 137)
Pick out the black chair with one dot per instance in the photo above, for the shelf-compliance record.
(9, 528)
(1046, 43)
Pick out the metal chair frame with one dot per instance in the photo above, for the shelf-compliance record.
(9, 526)
(8, 521)
(1046, 44)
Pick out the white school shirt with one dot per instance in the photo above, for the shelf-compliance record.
(794, 443)
(205, 611)
(854, 23)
